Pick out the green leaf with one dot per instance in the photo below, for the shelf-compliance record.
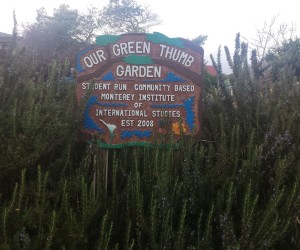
(134, 59)
(106, 39)
(157, 37)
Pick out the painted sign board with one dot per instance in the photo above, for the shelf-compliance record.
(140, 89)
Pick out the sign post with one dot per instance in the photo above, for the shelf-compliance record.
(141, 89)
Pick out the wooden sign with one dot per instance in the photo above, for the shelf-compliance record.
(140, 89)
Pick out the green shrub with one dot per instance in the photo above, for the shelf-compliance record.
(237, 188)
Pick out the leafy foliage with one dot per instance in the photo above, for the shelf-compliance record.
(287, 56)
(38, 117)
(123, 16)
(57, 36)
(238, 188)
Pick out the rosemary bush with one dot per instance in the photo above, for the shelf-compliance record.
(238, 188)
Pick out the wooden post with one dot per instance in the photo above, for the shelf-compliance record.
(106, 169)
(103, 164)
